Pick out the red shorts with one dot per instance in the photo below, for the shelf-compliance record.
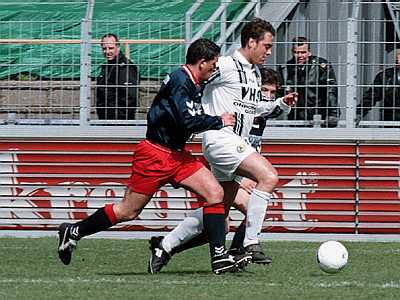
(154, 165)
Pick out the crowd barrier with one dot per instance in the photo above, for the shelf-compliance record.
(335, 187)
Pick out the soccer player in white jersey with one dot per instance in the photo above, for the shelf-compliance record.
(236, 87)
(268, 108)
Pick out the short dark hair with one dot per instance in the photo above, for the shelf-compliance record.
(269, 76)
(107, 35)
(300, 41)
(255, 29)
(202, 49)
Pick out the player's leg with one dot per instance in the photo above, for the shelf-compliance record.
(141, 187)
(238, 238)
(260, 170)
(181, 238)
(163, 248)
(236, 247)
(189, 233)
(204, 184)
(186, 234)
(240, 203)
(102, 219)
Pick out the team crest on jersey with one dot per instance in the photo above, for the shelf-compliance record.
(240, 148)
(166, 79)
(194, 108)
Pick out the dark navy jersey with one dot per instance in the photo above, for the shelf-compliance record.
(268, 108)
(176, 112)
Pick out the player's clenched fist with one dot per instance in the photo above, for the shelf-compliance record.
(291, 99)
(228, 119)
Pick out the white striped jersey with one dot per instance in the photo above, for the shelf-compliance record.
(234, 87)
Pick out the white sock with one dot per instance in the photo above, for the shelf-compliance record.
(191, 226)
(256, 209)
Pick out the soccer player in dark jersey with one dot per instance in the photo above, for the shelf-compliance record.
(176, 114)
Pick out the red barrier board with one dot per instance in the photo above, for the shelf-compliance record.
(323, 187)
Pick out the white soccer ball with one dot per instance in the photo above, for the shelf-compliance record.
(332, 256)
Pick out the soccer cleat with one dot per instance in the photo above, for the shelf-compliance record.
(159, 258)
(257, 255)
(229, 263)
(236, 251)
(66, 245)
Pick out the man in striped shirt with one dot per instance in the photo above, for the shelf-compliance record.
(236, 86)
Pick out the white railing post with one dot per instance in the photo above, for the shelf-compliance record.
(351, 69)
(188, 21)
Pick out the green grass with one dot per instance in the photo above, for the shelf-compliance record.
(117, 269)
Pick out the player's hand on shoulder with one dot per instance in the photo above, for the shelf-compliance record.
(228, 119)
(291, 99)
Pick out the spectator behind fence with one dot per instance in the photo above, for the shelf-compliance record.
(385, 89)
(313, 78)
(117, 86)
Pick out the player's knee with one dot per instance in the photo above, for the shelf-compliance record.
(127, 215)
(269, 178)
(215, 195)
(273, 178)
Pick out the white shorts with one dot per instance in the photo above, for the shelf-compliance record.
(225, 152)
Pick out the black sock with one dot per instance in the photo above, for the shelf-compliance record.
(238, 238)
(96, 222)
(214, 226)
(196, 241)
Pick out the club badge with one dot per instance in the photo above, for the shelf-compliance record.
(240, 148)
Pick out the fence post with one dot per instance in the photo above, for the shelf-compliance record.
(357, 189)
(188, 21)
(223, 30)
(351, 69)
(85, 66)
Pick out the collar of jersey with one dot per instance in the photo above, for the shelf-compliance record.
(191, 75)
(239, 56)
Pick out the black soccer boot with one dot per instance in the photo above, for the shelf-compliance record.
(159, 258)
(257, 255)
(66, 245)
(229, 263)
(236, 251)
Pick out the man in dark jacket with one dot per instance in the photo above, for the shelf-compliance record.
(385, 88)
(117, 85)
(313, 78)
